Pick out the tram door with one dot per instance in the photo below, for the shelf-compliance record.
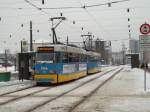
(23, 66)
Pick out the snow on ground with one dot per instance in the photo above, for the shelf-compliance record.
(125, 93)
(37, 98)
(6, 89)
(14, 83)
(8, 69)
(22, 105)
(14, 74)
(14, 77)
(140, 76)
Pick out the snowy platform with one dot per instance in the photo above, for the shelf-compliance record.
(125, 93)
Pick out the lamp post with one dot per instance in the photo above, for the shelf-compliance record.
(5, 55)
(6, 60)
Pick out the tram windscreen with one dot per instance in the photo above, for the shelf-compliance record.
(45, 57)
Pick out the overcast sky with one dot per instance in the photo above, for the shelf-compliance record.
(108, 23)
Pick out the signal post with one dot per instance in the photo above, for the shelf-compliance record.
(144, 43)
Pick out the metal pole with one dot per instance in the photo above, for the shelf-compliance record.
(144, 77)
(21, 46)
(144, 60)
(31, 49)
(67, 41)
(5, 60)
(15, 62)
(31, 46)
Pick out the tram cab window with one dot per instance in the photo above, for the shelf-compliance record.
(45, 57)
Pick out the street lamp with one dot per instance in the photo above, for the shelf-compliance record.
(42, 1)
(5, 52)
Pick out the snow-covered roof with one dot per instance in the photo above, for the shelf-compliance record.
(65, 48)
(90, 53)
(41, 41)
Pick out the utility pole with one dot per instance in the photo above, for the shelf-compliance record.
(55, 26)
(21, 46)
(88, 40)
(43, 2)
(31, 44)
(6, 61)
(67, 41)
(123, 53)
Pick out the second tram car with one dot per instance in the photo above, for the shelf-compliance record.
(60, 63)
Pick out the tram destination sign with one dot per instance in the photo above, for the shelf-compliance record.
(45, 49)
(144, 42)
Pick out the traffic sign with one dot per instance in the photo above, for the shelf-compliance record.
(24, 45)
(145, 29)
(144, 42)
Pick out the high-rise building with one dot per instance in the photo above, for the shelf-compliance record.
(134, 46)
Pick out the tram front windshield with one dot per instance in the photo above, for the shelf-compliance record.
(45, 57)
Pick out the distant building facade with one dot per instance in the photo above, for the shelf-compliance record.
(103, 47)
(117, 58)
(134, 46)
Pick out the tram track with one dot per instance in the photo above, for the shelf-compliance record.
(41, 90)
(20, 97)
(10, 92)
(18, 83)
(92, 92)
(63, 94)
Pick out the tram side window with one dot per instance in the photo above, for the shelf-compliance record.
(71, 57)
(96, 59)
(92, 59)
(83, 58)
(64, 57)
(74, 57)
(57, 57)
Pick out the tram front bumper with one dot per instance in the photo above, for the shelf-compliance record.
(48, 78)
